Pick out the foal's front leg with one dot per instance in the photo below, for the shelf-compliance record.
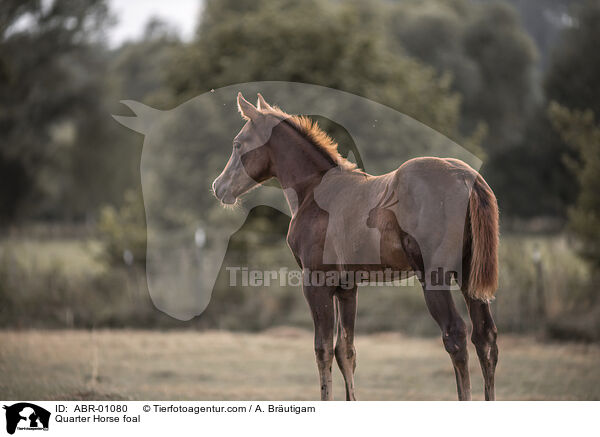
(320, 300)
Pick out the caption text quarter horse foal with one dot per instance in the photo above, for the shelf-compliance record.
(434, 217)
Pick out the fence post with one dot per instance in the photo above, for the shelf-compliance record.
(539, 288)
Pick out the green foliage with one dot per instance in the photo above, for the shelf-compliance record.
(543, 20)
(62, 156)
(487, 53)
(314, 42)
(491, 61)
(581, 131)
(104, 157)
(46, 81)
(138, 71)
(124, 229)
(572, 80)
(532, 179)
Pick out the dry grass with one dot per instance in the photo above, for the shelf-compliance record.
(275, 365)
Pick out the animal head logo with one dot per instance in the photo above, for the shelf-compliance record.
(185, 148)
(26, 416)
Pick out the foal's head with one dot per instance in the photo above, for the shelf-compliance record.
(250, 162)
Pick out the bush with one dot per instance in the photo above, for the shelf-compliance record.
(123, 231)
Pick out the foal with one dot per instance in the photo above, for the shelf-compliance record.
(435, 218)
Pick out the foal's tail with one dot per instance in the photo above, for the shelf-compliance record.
(483, 215)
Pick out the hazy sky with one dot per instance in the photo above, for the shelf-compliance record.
(132, 16)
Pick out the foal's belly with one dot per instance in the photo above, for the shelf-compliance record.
(394, 257)
(372, 251)
(391, 256)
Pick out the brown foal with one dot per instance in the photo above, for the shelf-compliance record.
(434, 218)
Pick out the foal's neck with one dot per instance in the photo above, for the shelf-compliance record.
(299, 165)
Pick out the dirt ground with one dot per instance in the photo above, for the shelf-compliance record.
(274, 365)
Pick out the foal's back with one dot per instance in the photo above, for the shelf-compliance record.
(427, 196)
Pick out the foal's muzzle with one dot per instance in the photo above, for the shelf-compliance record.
(222, 193)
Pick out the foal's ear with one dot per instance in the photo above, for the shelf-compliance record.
(247, 109)
(262, 103)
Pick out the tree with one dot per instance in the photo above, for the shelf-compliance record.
(487, 53)
(105, 158)
(315, 42)
(532, 177)
(572, 79)
(572, 84)
(46, 51)
(581, 131)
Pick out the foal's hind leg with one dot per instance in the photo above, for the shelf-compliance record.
(454, 335)
(345, 353)
(484, 338)
(441, 306)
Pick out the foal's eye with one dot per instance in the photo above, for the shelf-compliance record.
(237, 146)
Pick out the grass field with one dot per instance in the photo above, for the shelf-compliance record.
(274, 365)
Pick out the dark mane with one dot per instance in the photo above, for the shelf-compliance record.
(310, 130)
